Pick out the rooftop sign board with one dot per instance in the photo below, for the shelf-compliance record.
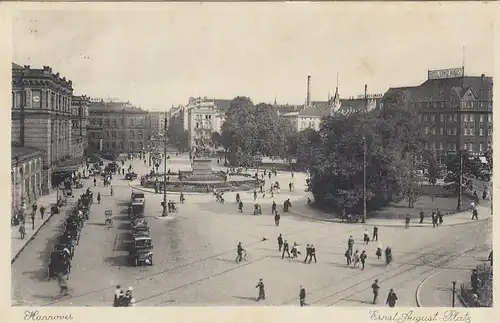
(445, 74)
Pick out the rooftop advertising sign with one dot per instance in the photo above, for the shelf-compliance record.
(445, 74)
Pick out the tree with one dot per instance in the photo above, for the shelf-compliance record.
(303, 146)
(251, 130)
(336, 164)
(216, 139)
(176, 134)
(430, 162)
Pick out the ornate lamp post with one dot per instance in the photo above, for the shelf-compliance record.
(165, 212)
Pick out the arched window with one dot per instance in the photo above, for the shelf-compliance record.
(113, 134)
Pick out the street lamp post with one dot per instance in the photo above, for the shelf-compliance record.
(453, 292)
(364, 180)
(165, 212)
(459, 202)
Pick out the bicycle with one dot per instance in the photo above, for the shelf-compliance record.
(244, 257)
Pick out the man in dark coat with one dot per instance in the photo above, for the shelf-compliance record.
(375, 233)
(422, 216)
(308, 252)
(302, 296)
(280, 242)
(391, 298)
(474, 214)
(262, 292)
(439, 216)
(347, 255)
(273, 208)
(277, 219)
(285, 249)
(375, 288)
(312, 254)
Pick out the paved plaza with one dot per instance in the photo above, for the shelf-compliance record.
(195, 250)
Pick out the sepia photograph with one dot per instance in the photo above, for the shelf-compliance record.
(286, 154)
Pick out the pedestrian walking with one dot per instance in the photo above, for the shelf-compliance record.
(262, 292)
(347, 256)
(355, 259)
(378, 253)
(285, 249)
(42, 211)
(366, 237)
(302, 296)
(308, 252)
(422, 216)
(407, 221)
(375, 288)
(439, 215)
(22, 231)
(312, 254)
(118, 294)
(290, 185)
(277, 219)
(33, 221)
(375, 233)
(273, 208)
(474, 214)
(99, 198)
(95, 181)
(111, 191)
(434, 219)
(362, 258)
(350, 244)
(391, 298)
(280, 242)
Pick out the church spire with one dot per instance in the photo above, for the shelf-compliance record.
(275, 99)
(336, 99)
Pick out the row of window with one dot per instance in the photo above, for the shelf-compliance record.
(454, 117)
(121, 145)
(39, 99)
(114, 122)
(468, 131)
(453, 146)
(113, 134)
(443, 104)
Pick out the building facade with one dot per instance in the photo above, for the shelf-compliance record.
(79, 122)
(26, 176)
(204, 117)
(118, 127)
(41, 116)
(156, 122)
(457, 110)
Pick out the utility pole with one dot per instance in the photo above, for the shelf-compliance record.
(454, 291)
(165, 212)
(363, 220)
(459, 203)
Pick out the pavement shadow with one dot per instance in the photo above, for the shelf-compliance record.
(39, 275)
(122, 217)
(123, 226)
(117, 261)
(247, 298)
(229, 261)
(359, 301)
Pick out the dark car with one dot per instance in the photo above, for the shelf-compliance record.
(131, 176)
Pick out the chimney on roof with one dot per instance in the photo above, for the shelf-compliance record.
(308, 97)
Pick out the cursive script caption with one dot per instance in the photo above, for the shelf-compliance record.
(411, 317)
(36, 316)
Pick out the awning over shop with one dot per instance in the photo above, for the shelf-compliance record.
(69, 165)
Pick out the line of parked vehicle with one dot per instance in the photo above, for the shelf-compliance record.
(140, 251)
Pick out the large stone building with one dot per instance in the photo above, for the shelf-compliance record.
(457, 110)
(156, 121)
(41, 117)
(79, 123)
(26, 176)
(118, 127)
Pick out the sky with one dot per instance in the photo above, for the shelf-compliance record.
(156, 56)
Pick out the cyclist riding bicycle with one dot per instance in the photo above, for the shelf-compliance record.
(239, 251)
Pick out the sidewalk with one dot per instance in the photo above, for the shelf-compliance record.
(18, 244)
(301, 209)
(437, 289)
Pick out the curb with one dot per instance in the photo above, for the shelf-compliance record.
(169, 192)
(384, 225)
(30, 239)
(417, 291)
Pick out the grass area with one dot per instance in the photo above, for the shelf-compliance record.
(447, 205)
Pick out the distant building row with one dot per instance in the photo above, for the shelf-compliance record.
(457, 110)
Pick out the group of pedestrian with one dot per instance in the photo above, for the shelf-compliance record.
(122, 299)
(262, 293)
